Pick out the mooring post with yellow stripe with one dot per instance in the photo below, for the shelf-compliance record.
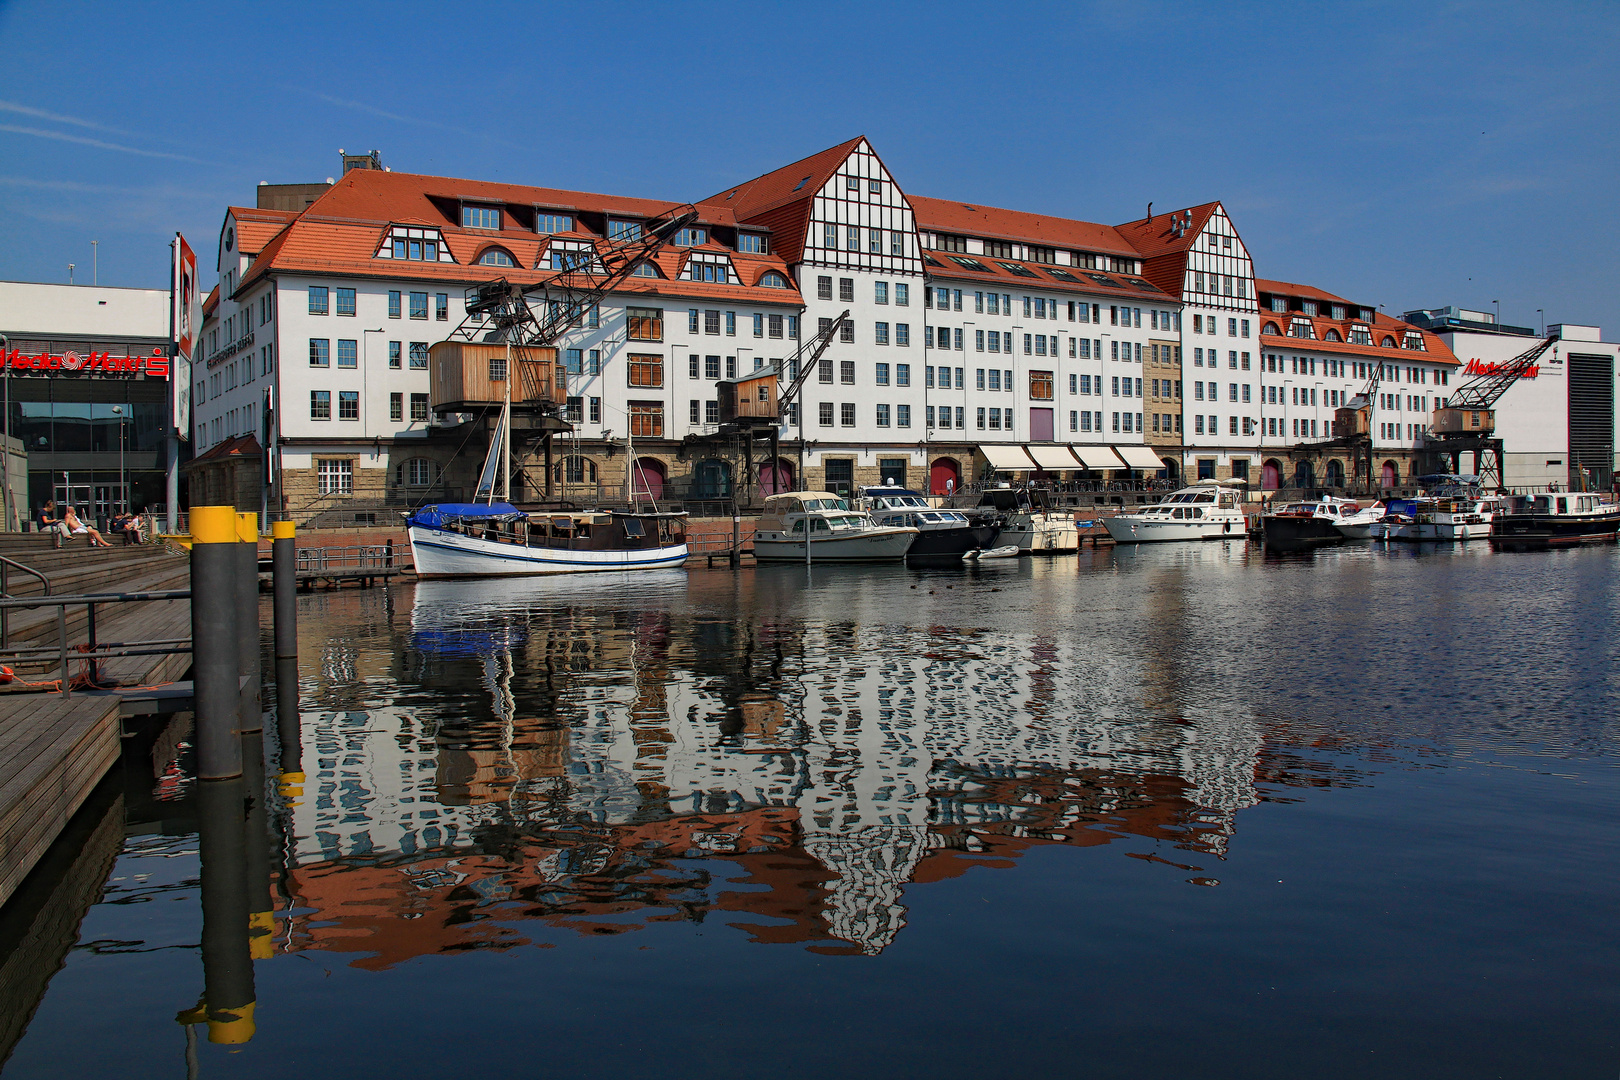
(284, 583)
(247, 621)
(228, 994)
(215, 683)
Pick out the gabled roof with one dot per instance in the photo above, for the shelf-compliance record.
(945, 215)
(255, 227)
(236, 446)
(1154, 236)
(781, 200)
(1307, 292)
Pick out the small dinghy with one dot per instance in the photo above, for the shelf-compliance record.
(1009, 551)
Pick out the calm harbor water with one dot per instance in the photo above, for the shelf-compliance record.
(1177, 811)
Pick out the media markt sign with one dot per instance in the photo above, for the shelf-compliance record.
(70, 363)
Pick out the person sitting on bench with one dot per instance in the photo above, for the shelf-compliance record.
(77, 527)
(129, 525)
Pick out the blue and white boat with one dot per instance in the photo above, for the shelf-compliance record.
(496, 539)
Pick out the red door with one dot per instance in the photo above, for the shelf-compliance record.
(1270, 480)
(777, 478)
(945, 473)
(647, 479)
(1040, 425)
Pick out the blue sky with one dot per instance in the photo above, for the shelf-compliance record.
(1402, 154)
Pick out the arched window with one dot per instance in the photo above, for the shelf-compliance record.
(575, 470)
(1388, 342)
(772, 280)
(496, 257)
(645, 269)
(1271, 328)
(1332, 335)
(417, 472)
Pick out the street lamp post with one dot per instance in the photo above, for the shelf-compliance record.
(123, 476)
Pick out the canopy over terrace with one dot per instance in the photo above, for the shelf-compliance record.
(1003, 457)
(1053, 457)
(1097, 457)
(1139, 457)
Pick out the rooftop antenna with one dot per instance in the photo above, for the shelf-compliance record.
(70, 273)
(95, 263)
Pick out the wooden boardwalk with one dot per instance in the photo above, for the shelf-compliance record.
(54, 750)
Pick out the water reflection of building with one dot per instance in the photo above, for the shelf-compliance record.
(568, 763)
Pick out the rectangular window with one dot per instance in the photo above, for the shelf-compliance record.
(393, 303)
(396, 355)
(320, 352)
(995, 379)
(881, 412)
(846, 372)
(902, 333)
(1040, 385)
(348, 404)
(645, 370)
(980, 419)
(441, 307)
(419, 355)
(396, 407)
(694, 411)
(711, 367)
(647, 419)
(317, 299)
(880, 333)
(419, 305)
(711, 321)
(345, 301)
(846, 415)
(644, 324)
(419, 408)
(1028, 338)
(902, 374)
(874, 241)
(846, 331)
(759, 326)
(825, 413)
(824, 287)
(346, 353)
(995, 341)
(731, 324)
(335, 477)
(320, 404)
(824, 371)
(711, 412)
(882, 375)
(902, 416)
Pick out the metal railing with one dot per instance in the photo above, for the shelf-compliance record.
(357, 557)
(6, 567)
(92, 652)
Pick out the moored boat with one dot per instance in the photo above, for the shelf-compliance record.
(836, 532)
(941, 533)
(1030, 523)
(452, 540)
(1207, 510)
(1361, 524)
(1558, 519)
(1304, 524)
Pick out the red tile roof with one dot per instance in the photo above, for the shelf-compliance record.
(1090, 282)
(1306, 292)
(240, 445)
(340, 233)
(255, 227)
(1434, 349)
(781, 199)
(944, 215)
(1163, 251)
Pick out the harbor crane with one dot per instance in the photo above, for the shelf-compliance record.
(1467, 421)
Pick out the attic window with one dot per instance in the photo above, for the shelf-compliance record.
(645, 269)
(690, 237)
(1061, 275)
(1015, 269)
(1279, 304)
(800, 184)
(1308, 307)
(1414, 340)
(496, 257)
(752, 244)
(998, 249)
(480, 217)
(772, 280)
(624, 230)
(1339, 312)
(702, 266)
(414, 244)
(970, 264)
(553, 223)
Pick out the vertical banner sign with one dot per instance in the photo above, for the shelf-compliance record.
(187, 328)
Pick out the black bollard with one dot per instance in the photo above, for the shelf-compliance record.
(248, 664)
(256, 849)
(291, 781)
(214, 641)
(284, 583)
(228, 996)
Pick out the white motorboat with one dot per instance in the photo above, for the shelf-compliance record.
(1360, 525)
(1207, 510)
(1030, 523)
(836, 532)
(1465, 517)
(455, 540)
(1312, 523)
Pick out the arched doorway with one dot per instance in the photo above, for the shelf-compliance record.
(647, 478)
(1271, 476)
(1171, 470)
(712, 479)
(1335, 473)
(777, 478)
(1391, 475)
(1304, 475)
(945, 472)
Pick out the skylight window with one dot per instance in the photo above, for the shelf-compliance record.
(1143, 285)
(1061, 275)
(801, 183)
(1020, 271)
(930, 260)
(1101, 280)
(970, 264)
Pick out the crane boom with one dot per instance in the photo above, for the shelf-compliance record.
(1483, 390)
(567, 294)
(816, 345)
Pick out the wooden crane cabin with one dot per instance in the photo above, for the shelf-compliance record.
(467, 376)
(750, 398)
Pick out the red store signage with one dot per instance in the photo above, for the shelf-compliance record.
(71, 363)
(1477, 366)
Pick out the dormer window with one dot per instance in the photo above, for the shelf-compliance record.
(947, 242)
(998, 249)
(691, 236)
(1338, 312)
(1301, 328)
(480, 217)
(1414, 340)
(702, 266)
(496, 257)
(624, 230)
(1361, 335)
(546, 222)
(568, 254)
(1042, 254)
(416, 245)
(1279, 304)
(1308, 307)
(752, 244)
(645, 269)
(772, 280)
